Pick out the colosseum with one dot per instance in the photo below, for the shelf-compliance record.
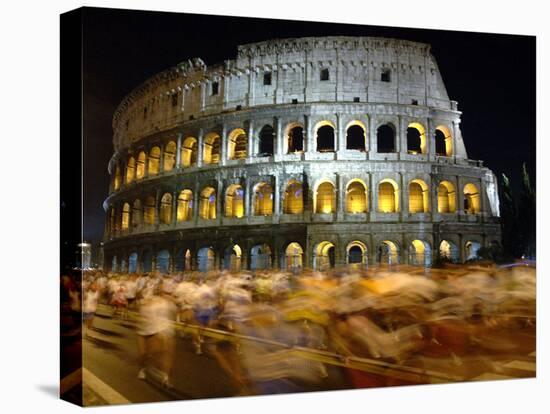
(313, 152)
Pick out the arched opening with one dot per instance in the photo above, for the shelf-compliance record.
(266, 144)
(185, 206)
(133, 262)
(207, 204)
(237, 142)
(147, 261)
(356, 137)
(169, 156)
(356, 197)
(211, 150)
(324, 256)
(472, 247)
(385, 138)
(130, 170)
(472, 201)
(234, 203)
(205, 259)
(137, 214)
(293, 202)
(449, 251)
(416, 139)
(293, 256)
(140, 167)
(182, 260)
(117, 177)
(125, 221)
(446, 197)
(189, 150)
(149, 211)
(260, 257)
(388, 253)
(357, 253)
(295, 138)
(263, 200)
(443, 141)
(325, 200)
(420, 253)
(419, 197)
(163, 261)
(325, 137)
(232, 258)
(388, 196)
(166, 209)
(154, 161)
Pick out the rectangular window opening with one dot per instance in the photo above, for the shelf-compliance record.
(356, 99)
(215, 88)
(295, 101)
(267, 78)
(385, 76)
(324, 74)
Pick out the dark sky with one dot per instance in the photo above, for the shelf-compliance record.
(491, 76)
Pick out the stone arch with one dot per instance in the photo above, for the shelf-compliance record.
(130, 169)
(207, 204)
(356, 136)
(266, 142)
(443, 141)
(206, 259)
(165, 209)
(140, 165)
(294, 256)
(163, 261)
(416, 138)
(184, 210)
(169, 156)
(237, 144)
(293, 200)
(471, 248)
(295, 137)
(260, 257)
(234, 201)
(472, 199)
(356, 253)
(356, 197)
(420, 253)
(385, 138)
(446, 197)
(388, 252)
(263, 199)
(154, 161)
(325, 137)
(125, 217)
(133, 262)
(419, 197)
(325, 198)
(137, 214)
(189, 152)
(449, 251)
(149, 211)
(324, 256)
(211, 148)
(232, 259)
(388, 196)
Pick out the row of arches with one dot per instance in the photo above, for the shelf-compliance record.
(260, 256)
(179, 207)
(158, 160)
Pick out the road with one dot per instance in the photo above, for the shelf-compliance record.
(110, 361)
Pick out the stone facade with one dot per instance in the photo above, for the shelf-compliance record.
(308, 152)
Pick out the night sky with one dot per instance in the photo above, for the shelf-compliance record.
(491, 76)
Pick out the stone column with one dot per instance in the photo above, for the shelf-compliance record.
(146, 163)
(219, 198)
(277, 197)
(430, 137)
(200, 147)
(157, 207)
(309, 138)
(340, 134)
(278, 147)
(161, 159)
(341, 196)
(401, 139)
(250, 140)
(196, 202)
(223, 145)
(372, 142)
(178, 151)
(247, 211)
(174, 218)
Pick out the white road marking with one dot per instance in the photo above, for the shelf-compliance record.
(103, 390)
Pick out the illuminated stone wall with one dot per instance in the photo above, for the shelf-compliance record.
(194, 144)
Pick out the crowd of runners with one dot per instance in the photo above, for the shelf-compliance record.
(392, 315)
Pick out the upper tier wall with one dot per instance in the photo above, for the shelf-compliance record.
(280, 72)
